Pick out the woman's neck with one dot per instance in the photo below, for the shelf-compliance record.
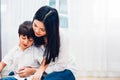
(45, 39)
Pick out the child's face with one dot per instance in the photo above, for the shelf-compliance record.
(39, 28)
(25, 42)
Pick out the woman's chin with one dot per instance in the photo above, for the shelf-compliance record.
(37, 35)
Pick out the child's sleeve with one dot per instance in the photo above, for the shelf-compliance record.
(8, 58)
(39, 55)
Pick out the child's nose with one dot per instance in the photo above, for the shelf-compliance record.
(26, 42)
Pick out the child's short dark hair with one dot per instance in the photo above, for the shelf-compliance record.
(26, 29)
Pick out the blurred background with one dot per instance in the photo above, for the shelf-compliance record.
(93, 26)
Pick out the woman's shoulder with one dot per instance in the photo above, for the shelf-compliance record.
(64, 33)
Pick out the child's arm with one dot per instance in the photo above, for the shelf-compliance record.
(40, 71)
(2, 65)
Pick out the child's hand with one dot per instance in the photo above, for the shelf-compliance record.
(25, 71)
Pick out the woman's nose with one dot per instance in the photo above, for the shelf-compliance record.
(37, 30)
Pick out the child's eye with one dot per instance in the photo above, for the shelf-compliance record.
(31, 39)
(23, 37)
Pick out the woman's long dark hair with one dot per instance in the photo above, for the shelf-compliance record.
(49, 16)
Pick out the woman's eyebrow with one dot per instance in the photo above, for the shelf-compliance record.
(35, 24)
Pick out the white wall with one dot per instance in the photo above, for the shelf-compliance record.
(95, 36)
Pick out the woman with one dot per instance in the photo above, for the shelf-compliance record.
(56, 62)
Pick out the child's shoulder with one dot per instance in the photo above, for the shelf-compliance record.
(36, 48)
(14, 48)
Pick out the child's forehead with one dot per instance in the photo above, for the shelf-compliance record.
(29, 37)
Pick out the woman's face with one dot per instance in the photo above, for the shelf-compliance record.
(39, 28)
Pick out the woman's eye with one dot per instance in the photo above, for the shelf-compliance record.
(42, 29)
(35, 25)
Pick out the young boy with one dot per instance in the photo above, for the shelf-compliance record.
(24, 56)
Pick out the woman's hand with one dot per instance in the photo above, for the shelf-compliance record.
(0, 75)
(26, 71)
(37, 75)
(39, 72)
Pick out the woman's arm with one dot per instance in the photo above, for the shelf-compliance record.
(40, 71)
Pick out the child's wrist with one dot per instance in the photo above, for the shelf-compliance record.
(34, 70)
